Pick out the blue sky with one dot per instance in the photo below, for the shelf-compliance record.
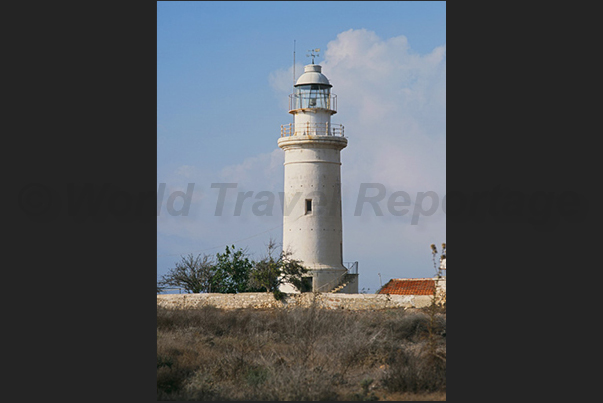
(224, 72)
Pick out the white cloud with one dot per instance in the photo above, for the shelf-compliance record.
(392, 103)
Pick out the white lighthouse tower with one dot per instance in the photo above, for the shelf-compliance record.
(312, 225)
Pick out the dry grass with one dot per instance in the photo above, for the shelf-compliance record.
(300, 354)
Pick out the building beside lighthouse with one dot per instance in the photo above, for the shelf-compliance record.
(312, 219)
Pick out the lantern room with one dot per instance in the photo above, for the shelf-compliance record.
(313, 91)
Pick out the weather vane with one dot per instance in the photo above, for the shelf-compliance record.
(312, 54)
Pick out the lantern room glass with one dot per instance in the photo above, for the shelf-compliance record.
(312, 96)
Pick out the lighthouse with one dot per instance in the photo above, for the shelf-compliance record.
(312, 222)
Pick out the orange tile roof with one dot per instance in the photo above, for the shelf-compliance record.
(409, 286)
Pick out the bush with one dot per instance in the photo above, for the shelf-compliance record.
(294, 354)
(415, 372)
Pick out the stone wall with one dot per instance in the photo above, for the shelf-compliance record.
(267, 300)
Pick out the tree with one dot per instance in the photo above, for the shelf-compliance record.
(193, 274)
(439, 295)
(271, 272)
(438, 301)
(232, 271)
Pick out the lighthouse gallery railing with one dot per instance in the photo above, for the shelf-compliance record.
(312, 129)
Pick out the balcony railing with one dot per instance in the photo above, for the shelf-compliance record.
(351, 266)
(304, 100)
(312, 129)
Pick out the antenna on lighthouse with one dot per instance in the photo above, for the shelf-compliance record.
(294, 63)
(312, 53)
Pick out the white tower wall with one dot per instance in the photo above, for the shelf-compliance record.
(312, 172)
(311, 123)
(313, 232)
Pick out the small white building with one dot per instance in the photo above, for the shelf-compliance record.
(312, 222)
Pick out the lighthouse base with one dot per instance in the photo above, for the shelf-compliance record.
(326, 280)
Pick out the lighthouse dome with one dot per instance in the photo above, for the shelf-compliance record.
(312, 75)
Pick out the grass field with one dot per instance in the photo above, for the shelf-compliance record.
(301, 354)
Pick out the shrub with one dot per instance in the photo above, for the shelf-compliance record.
(415, 371)
(295, 354)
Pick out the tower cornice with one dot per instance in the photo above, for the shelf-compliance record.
(311, 141)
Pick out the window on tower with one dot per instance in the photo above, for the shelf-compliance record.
(308, 206)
